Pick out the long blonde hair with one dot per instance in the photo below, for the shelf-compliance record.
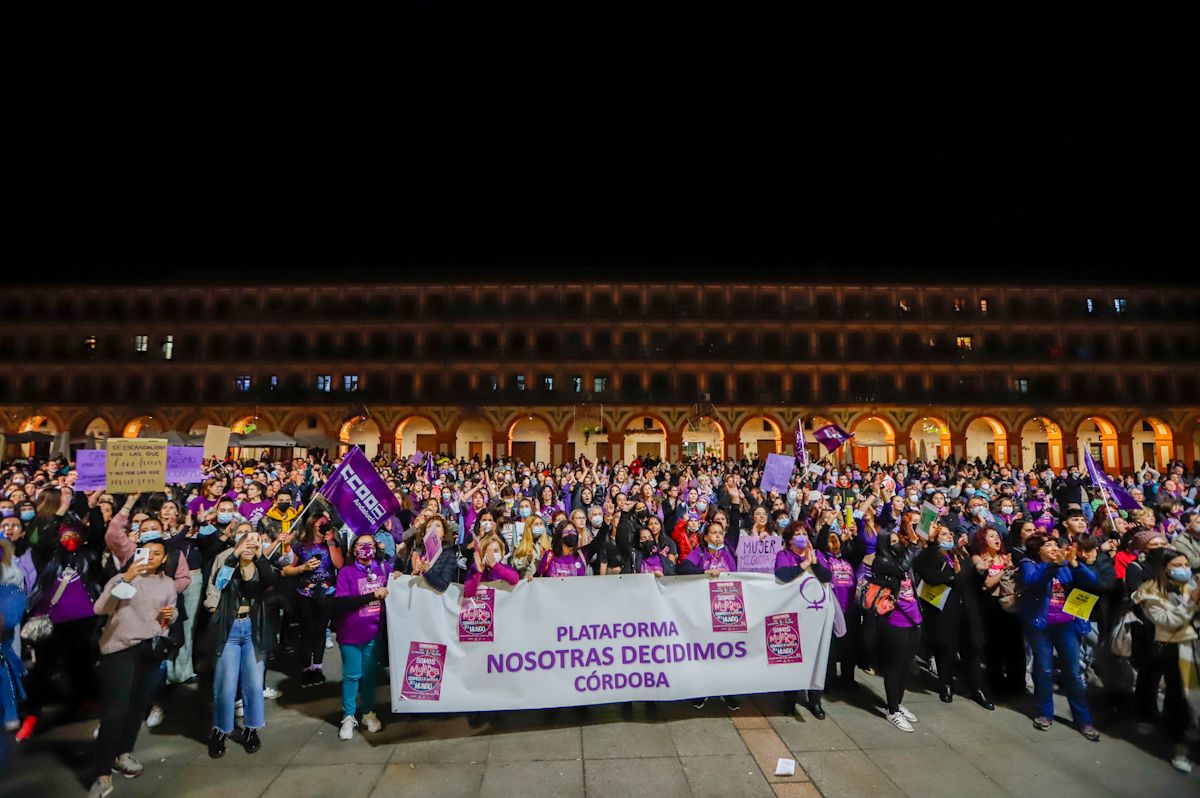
(524, 549)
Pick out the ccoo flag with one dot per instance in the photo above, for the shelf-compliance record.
(360, 495)
(832, 437)
(1104, 483)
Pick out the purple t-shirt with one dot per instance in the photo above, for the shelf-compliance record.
(652, 564)
(254, 511)
(1058, 598)
(360, 625)
(707, 559)
(73, 605)
(843, 577)
(567, 565)
(200, 504)
(907, 612)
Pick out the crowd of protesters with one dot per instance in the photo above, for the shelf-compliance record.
(108, 600)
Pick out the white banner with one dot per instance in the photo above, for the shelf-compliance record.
(596, 640)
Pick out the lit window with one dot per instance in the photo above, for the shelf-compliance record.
(577, 381)
(1022, 386)
(520, 382)
(89, 343)
(1091, 305)
(983, 306)
(324, 383)
(599, 384)
(964, 342)
(274, 381)
(350, 382)
(547, 383)
(958, 305)
(494, 382)
(141, 343)
(1120, 305)
(242, 383)
(904, 306)
(168, 347)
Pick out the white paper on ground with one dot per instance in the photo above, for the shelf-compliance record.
(785, 767)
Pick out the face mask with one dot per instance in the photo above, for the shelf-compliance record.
(783, 523)
(27, 515)
(364, 551)
(969, 491)
(800, 542)
(648, 547)
(570, 540)
(597, 520)
(7, 512)
(71, 544)
(538, 531)
(206, 530)
(715, 546)
(946, 545)
(487, 526)
(929, 491)
(224, 518)
(135, 526)
(1006, 509)
(701, 508)
(1181, 574)
(979, 511)
(525, 512)
(284, 506)
(223, 576)
(146, 537)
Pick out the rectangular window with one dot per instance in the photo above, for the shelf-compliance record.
(1120, 305)
(520, 382)
(350, 382)
(89, 343)
(1022, 386)
(599, 384)
(964, 342)
(547, 382)
(904, 306)
(983, 306)
(274, 381)
(242, 383)
(577, 383)
(1091, 305)
(168, 347)
(324, 383)
(493, 382)
(958, 305)
(141, 343)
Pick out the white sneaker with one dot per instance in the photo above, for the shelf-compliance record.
(238, 710)
(900, 722)
(328, 641)
(270, 693)
(127, 766)
(12, 725)
(371, 721)
(908, 716)
(1182, 764)
(96, 732)
(155, 718)
(347, 730)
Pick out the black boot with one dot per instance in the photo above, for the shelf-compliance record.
(980, 698)
(251, 741)
(814, 704)
(216, 744)
(946, 694)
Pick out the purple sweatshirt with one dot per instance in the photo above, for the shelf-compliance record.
(843, 577)
(566, 565)
(723, 559)
(361, 625)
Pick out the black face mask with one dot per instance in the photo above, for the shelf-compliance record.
(648, 547)
(571, 539)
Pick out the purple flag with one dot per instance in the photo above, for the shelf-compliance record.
(832, 437)
(1103, 482)
(776, 473)
(92, 465)
(430, 472)
(360, 495)
(801, 447)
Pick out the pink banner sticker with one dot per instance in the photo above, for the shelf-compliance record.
(477, 617)
(783, 639)
(423, 672)
(728, 608)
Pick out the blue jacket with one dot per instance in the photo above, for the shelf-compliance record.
(1034, 602)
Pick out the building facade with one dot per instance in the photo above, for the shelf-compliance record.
(554, 370)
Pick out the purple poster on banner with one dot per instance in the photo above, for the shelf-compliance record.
(728, 607)
(477, 617)
(777, 473)
(361, 497)
(92, 466)
(423, 672)
(783, 639)
(184, 464)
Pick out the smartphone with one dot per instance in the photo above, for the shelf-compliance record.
(141, 554)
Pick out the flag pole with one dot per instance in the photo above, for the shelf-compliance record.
(1103, 493)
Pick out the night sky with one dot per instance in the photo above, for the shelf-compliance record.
(644, 139)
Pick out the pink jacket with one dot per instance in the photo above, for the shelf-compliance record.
(116, 538)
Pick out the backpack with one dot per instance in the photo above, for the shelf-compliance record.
(1121, 639)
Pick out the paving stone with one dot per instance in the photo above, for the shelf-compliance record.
(847, 774)
(627, 741)
(935, 771)
(325, 781)
(706, 737)
(430, 780)
(767, 749)
(528, 746)
(619, 777)
(725, 776)
(804, 789)
(471, 749)
(812, 735)
(560, 778)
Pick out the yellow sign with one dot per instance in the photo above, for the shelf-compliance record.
(136, 465)
(934, 594)
(1079, 603)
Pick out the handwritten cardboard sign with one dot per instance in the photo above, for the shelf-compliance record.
(216, 441)
(758, 555)
(136, 465)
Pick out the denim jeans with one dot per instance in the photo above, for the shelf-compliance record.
(359, 664)
(1062, 638)
(237, 663)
